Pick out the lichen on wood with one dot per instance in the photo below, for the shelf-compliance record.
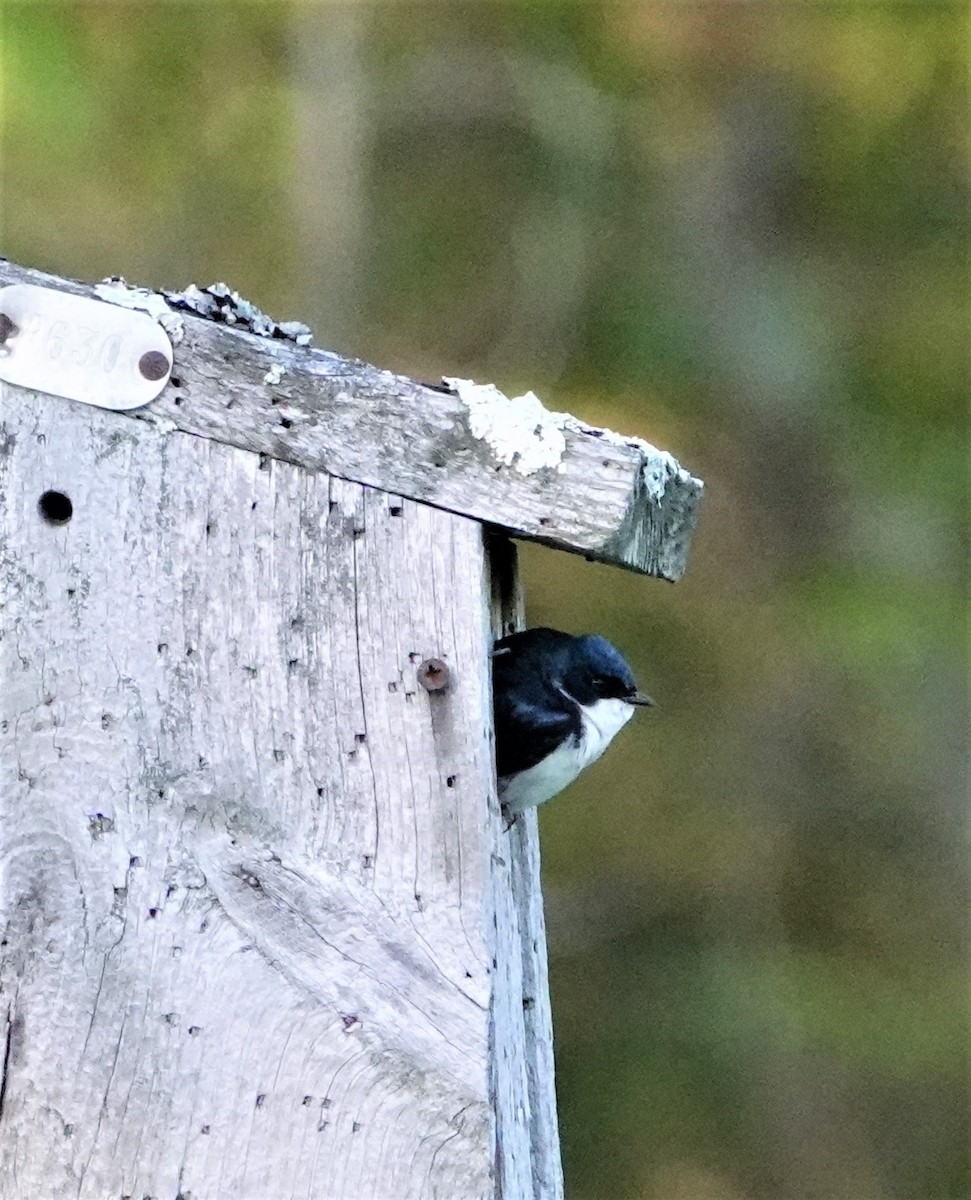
(613, 499)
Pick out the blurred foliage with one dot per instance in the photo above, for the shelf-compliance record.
(742, 232)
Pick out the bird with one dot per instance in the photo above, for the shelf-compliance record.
(559, 699)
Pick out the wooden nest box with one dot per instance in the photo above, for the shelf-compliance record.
(266, 934)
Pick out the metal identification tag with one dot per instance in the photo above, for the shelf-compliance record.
(81, 349)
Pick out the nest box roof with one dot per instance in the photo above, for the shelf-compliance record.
(240, 378)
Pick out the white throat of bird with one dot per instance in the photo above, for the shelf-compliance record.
(600, 722)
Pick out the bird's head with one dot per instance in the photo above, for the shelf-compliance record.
(593, 669)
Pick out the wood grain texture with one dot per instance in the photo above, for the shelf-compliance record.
(614, 499)
(523, 1074)
(261, 936)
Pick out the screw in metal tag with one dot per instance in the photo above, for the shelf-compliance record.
(81, 349)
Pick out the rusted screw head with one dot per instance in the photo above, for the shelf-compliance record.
(153, 364)
(433, 675)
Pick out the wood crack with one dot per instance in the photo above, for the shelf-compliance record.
(5, 1069)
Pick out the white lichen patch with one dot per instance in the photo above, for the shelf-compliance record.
(658, 467)
(658, 470)
(116, 291)
(520, 432)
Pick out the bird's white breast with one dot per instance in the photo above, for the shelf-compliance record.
(558, 770)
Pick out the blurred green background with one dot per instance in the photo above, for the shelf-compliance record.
(740, 231)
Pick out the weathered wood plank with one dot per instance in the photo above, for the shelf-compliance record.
(524, 1084)
(539, 475)
(250, 869)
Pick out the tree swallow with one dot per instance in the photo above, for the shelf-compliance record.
(559, 699)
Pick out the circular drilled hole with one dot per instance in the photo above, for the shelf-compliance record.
(56, 508)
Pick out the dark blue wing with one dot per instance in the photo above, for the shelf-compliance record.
(526, 733)
(533, 717)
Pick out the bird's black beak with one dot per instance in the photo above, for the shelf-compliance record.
(641, 700)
